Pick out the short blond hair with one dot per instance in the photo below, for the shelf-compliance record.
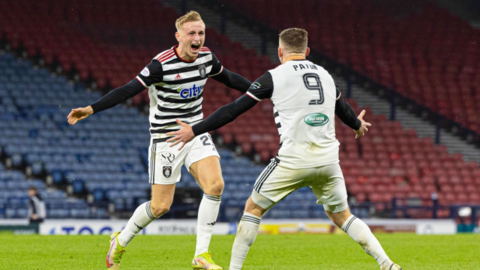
(294, 40)
(191, 16)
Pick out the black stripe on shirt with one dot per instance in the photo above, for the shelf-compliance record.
(187, 80)
(177, 60)
(162, 131)
(176, 100)
(155, 125)
(186, 69)
(166, 90)
(158, 117)
(164, 109)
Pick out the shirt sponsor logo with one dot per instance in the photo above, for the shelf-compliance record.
(145, 72)
(316, 119)
(191, 92)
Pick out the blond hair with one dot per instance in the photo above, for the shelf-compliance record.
(294, 40)
(191, 16)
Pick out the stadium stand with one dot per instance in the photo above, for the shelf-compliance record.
(99, 156)
(423, 52)
(99, 57)
(108, 47)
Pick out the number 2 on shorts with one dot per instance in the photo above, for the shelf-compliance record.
(205, 138)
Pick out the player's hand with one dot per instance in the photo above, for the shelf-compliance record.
(79, 114)
(184, 135)
(363, 128)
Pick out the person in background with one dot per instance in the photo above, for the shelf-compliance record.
(36, 206)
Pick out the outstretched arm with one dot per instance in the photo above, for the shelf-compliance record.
(151, 74)
(233, 80)
(118, 96)
(224, 115)
(230, 79)
(111, 99)
(218, 119)
(345, 112)
(260, 89)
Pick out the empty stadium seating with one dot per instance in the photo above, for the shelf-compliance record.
(419, 49)
(107, 58)
(105, 155)
(14, 199)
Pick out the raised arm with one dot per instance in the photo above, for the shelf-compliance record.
(118, 96)
(345, 112)
(152, 73)
(260, 89)
(224, 115)
(230, 79)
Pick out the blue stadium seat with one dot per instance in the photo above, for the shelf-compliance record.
(80, 213)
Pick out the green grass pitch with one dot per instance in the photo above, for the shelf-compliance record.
(269, 252)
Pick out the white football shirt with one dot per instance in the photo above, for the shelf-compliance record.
(304, 97)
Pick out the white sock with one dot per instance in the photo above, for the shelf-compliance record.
(361, 233)
(207, 217)
(246, 234)
(140, 219)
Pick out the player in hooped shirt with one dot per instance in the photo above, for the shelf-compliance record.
(175, 80)
(305, 101)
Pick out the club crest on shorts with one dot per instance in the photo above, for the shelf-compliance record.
(203, 71)
(167, 171)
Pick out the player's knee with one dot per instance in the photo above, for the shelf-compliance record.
(214, 188)
(159, 209)
(338, 213)
(253, 208)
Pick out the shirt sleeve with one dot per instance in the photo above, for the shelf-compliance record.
(262, 88)
(118, 95)
(233, 80)
(152, 73)
(217, 67)
(345, 112)
(224, 115)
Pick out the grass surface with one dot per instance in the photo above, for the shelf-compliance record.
(269, 252)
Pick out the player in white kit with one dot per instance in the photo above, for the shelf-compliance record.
(175, 80)
(305, 102)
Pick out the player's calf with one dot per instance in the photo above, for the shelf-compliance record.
(247, 229)
(140, 219)
(360, 233)
(246, 233)
(207, 217)
(159, 210)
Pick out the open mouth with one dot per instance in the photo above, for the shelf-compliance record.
(195, 47)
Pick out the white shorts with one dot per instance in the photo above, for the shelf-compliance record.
(165, 162)
(277, 182)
